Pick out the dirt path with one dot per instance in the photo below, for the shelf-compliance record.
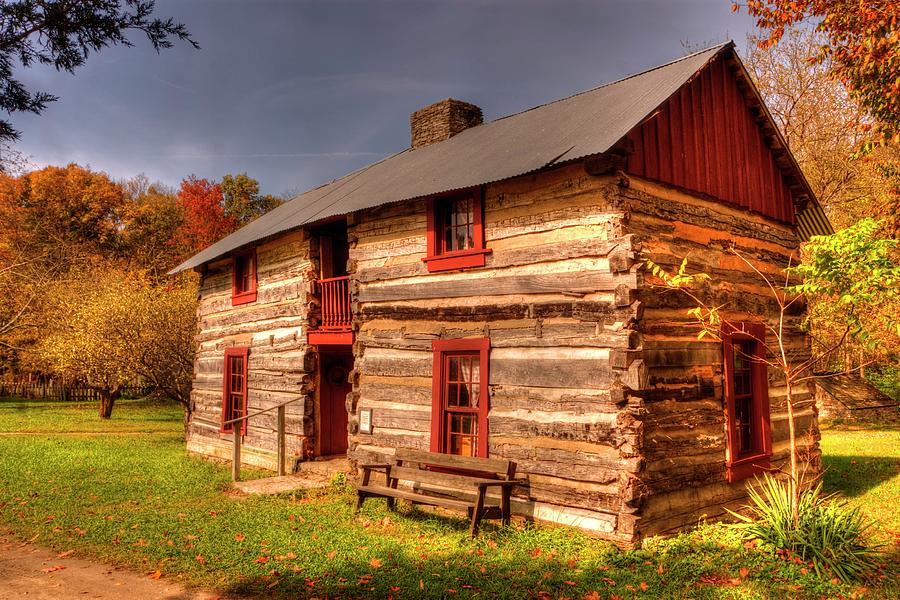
(31, 572)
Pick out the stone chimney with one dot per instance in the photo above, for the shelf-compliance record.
(442, 120)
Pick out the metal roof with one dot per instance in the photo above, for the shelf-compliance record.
(581, 125)
(812, 220)
(585, 124)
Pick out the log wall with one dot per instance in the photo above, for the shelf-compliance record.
(682, 408)
(557, 300)
(281, 365)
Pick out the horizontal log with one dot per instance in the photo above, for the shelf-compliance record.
(524, 255)
(576, 282)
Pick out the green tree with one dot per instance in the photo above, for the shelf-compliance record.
(243, 201)
(62, 34)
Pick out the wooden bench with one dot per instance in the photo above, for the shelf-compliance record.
(462, 481)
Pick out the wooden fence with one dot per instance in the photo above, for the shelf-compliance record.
(65, 392)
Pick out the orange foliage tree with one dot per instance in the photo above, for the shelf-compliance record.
(204, 221)
(861, 42)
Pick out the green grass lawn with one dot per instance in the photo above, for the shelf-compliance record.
(140, 501)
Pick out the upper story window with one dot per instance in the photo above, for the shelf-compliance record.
(456, 231)
(243, 281)
(748, 430)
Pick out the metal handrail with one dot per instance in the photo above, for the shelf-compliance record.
(265, 410)
(236, 433)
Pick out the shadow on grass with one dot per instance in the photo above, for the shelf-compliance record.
(853, 475)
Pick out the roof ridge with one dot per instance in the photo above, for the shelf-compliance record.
(718, 48)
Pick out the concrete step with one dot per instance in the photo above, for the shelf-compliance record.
(326, 467)
(280, 485)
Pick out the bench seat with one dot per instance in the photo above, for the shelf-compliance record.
(469, 477)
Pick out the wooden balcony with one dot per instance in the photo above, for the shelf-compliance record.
(335, 327)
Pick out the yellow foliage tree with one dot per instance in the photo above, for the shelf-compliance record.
(113, 327)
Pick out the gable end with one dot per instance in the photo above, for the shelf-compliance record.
(706, 138)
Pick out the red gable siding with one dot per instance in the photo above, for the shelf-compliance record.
(705, 139)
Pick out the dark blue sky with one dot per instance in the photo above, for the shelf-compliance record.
(296, 93)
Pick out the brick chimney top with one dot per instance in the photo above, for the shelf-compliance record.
(442, 120)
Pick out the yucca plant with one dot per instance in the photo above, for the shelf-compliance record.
(829, 534)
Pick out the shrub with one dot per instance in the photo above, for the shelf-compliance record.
(829, 534)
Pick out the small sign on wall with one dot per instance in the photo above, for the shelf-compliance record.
(365, 420)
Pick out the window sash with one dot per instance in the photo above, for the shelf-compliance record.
(459, 405)
(234, 388)
(748, 423)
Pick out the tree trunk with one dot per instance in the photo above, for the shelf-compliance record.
(107, 400)
(795, 475)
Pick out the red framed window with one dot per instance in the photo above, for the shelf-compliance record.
(455, 231)
(234, 388)
(243, 279)
(748, 425)
(459, 423)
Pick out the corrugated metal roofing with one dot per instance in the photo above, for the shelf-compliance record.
(813, 221)
(581, 125)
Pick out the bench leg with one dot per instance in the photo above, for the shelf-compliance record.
(505, 493)
(392, 483)
(360, 497)
(477, 511)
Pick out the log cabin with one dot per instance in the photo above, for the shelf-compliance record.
(483, 293)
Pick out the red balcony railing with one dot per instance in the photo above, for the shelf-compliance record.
(334, 294)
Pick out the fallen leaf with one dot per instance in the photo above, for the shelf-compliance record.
(331, 554)
(644, 586)
(155, 575)
(239, 537)
(375, 563)
(395, 588)
(140, 543)
(744, 571)
(660, 569)
(53, 568)
(291, 555)
(65, 554)
(261, 560)
(535, 553)
(592, 596)
(803, 571)
(569, 583)
(199, 558)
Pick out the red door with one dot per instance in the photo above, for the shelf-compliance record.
(334, 387)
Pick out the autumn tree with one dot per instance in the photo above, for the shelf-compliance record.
(243, 201)
(52, 222)
(204, 220)
(859, 40)
(150, 219)
(62, 34)
(115, 327)
(824, 127)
